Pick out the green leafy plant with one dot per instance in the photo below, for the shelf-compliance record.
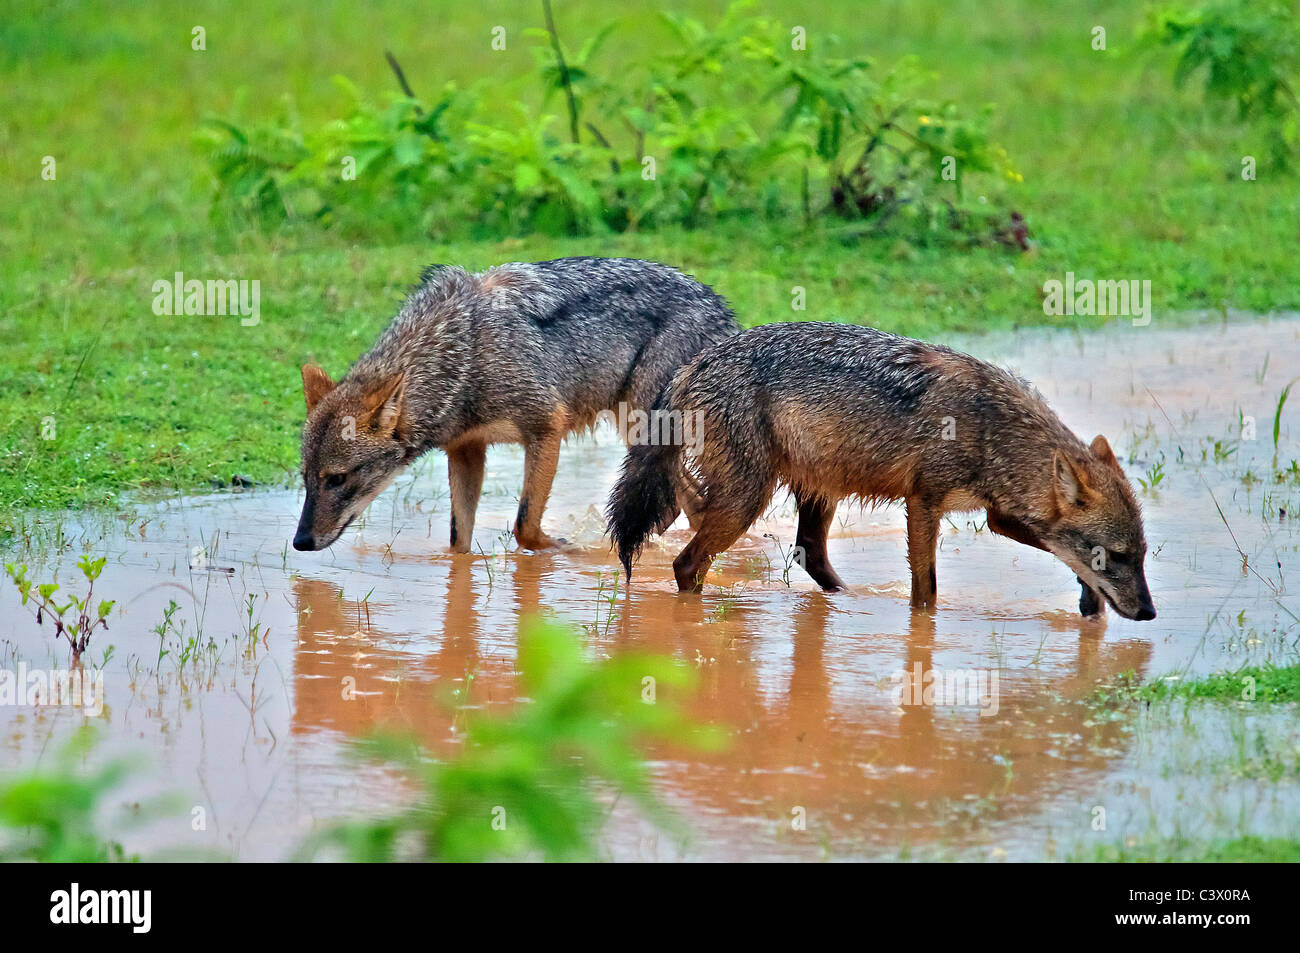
(1248, 54)
(393, 157)
(1277, 417)
(1155, 476)
(527, 782)
(75, 620)
(51, 815)
(607, 593)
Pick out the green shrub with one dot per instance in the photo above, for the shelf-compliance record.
(731, 122)
(75, 620)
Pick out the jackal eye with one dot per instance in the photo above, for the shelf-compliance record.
(335, 480)
(1119, 559)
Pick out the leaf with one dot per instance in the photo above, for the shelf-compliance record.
(408, 148)
(592, 46)
(91, 568)
(527, 177)
(1277, 417)
(549, 657)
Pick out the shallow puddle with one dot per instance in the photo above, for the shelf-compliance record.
(297, 654)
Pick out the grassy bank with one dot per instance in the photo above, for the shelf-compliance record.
(1123, 177)
(1263, 683)
(1225, 735)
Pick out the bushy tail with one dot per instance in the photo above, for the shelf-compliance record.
(644, 500)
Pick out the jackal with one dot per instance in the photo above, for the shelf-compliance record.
(836, 411)
(520, 353)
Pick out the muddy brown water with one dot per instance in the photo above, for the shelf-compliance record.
(257, 742)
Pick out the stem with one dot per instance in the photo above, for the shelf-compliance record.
(613, 162)
(401, 77)
(564, 70)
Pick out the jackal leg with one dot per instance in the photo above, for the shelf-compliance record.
(465, 474)
(692, 505)
(815, 517)
(541, 455)
(922, 537)
(1090, 601)
(718, 530)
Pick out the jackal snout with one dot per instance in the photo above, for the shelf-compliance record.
(352, 447)
(1098, 528)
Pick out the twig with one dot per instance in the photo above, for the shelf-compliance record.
(600, 137)
(401, 79)
(564, 70)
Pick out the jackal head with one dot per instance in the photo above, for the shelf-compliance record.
(353, 445)
(1097, 529)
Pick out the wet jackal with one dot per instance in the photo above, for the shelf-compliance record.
(836, 411)
(521, 353)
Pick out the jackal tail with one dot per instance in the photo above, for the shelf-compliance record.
(644, 500)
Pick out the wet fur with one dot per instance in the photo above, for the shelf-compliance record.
(837, 412)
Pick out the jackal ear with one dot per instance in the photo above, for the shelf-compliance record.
(315, 384)
(1100, 448)
(1069, 482)
(383, 406)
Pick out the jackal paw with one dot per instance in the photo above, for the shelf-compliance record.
(539, 541)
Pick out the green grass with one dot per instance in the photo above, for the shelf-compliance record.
(1267, 682)
(1179, 850)
(1124, 177)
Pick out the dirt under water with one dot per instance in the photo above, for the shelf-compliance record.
(257, 735)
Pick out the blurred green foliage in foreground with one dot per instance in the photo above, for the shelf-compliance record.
(539, 781)
(527, 783)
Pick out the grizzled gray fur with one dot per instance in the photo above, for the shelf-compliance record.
(520, 353)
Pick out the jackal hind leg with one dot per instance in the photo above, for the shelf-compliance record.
(722, 522)
(922, 538)
(541, 456)
(718, 530)
(465, 464)
(815, 516)
(692, 504)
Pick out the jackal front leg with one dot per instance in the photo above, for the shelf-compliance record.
(1090, 601)
(465, 474)
(541, 455)
(922, 538)
(815, 517)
